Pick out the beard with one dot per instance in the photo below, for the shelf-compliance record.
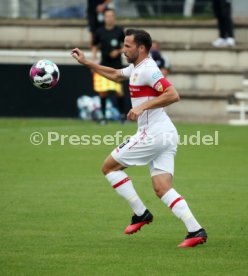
(133, 58)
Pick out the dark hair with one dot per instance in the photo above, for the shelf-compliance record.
(109, 9)
(141, 37)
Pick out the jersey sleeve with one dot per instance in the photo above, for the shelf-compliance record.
(126, 72)
(156, 79)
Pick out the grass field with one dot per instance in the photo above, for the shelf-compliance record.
(59, 216)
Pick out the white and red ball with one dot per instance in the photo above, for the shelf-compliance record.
(44, 74)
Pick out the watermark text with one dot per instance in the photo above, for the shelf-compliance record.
(55, 138)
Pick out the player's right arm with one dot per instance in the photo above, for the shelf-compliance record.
(94, 52)
(107, 72)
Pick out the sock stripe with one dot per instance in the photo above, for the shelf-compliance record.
(121, 182)
(175, 202)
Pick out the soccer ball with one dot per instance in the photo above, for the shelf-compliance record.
(44, 74)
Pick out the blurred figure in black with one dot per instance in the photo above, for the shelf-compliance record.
(163, 63)
(95, 10)
(109, 40)
(146, 8)
(223, 13)
(142, 7)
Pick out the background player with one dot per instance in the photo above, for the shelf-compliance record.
(155, 142)
(109, 39)
(162, 63)
(95, 10)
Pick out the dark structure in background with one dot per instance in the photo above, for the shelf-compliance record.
(42, 9)
(19, 98)
(148, 8)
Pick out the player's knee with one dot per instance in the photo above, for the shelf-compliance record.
(159, 191)
(105, 169)
(110, 165)
(162, 183)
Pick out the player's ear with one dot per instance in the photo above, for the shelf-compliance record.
(142, 48)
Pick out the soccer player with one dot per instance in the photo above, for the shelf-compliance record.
(155, 142)
(109, 40)
(95, 10)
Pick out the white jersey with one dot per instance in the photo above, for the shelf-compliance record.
(145, 83)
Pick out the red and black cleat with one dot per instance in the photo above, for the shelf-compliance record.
(138, 221)
(194, 238)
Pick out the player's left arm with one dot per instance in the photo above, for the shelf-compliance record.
(169, 96)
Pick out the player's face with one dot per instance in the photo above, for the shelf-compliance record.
(130, 49)
(109, 18)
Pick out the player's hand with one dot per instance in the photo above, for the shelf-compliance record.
(115, 53)
(78, 55)
(134, 113)
(100, 8)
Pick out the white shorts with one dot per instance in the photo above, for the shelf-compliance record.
(142, 149)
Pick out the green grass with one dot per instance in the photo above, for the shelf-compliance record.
(59, 216)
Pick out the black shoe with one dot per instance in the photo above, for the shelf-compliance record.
(138, 221)
(194, 238)
(123, 119)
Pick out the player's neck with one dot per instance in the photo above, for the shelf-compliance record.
(140, 60)
(109, 27)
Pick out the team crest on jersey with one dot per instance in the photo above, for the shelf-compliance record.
(159, 87)
(114, 42)
(135, 77)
